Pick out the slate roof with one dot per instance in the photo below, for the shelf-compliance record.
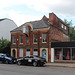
(35, 24)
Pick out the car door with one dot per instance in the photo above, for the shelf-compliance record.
(23, 61)
(26, 60)
(0, 57)
(29, 60)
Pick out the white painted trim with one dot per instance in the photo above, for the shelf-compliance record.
(46, 51)
(52, 54)
(15, 50)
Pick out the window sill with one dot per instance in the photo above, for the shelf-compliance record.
(64, 60)
(21, 43)
(34, 43)
(44, 42)
(14, 43)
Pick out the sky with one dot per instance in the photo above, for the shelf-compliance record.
(22, 11)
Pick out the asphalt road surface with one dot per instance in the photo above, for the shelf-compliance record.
(13, 69)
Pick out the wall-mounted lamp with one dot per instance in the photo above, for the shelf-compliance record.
(17, 39)
(40, 37)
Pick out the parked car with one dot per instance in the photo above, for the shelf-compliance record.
(31, 60)
(6, 59)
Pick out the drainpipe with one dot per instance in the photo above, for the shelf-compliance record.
(17, 43)
(38, 44)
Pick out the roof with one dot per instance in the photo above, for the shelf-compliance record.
(4, 19)
(62, 44)
(35, 24)
(60, 20)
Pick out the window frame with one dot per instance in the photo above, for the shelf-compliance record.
(35, 51)
(20, 39)
(71, 54)
(46, 37)
(34, 38)
(14, 39)
(27, 50)
(65, 28)
(62, 26)
(20, 51)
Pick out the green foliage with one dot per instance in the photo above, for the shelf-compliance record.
(72, 34)
(4, 46)
(68, 22)
(72, 30)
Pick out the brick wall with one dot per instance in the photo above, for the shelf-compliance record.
(54, 34)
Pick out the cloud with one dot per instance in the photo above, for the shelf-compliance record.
(62, 6)
(20, 18)
(59, 7)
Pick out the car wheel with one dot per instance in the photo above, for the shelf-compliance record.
(18, 63)
(34, 64)
(7, 62)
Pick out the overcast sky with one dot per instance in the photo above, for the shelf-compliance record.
(21, 11)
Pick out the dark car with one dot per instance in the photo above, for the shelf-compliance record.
(31, 60)
(6, 59)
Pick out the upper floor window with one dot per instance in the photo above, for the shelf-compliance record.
(65, 27)
(25, 29)
(35, 38)
(44, 38)
(62, 26)
(21, 38)
(14, 39)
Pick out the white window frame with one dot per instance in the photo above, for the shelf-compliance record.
(28, 51)
(35, 52)
(62, 26)
(21, 52)
(65, 27)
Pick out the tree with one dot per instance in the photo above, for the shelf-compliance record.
(68, 22)
(72, 30)
(4, 46)
(72, 34)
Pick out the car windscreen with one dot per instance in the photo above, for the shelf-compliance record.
(5, 55)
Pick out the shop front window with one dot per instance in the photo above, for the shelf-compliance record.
(73, 54)
(58, 54)
(66, 54)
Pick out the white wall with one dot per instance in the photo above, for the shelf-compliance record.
(52, 54)
(5, 27)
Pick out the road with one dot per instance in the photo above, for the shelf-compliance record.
(13, 69)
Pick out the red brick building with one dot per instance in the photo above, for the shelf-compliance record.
(34, 38)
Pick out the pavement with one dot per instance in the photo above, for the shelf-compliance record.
(70, 65)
